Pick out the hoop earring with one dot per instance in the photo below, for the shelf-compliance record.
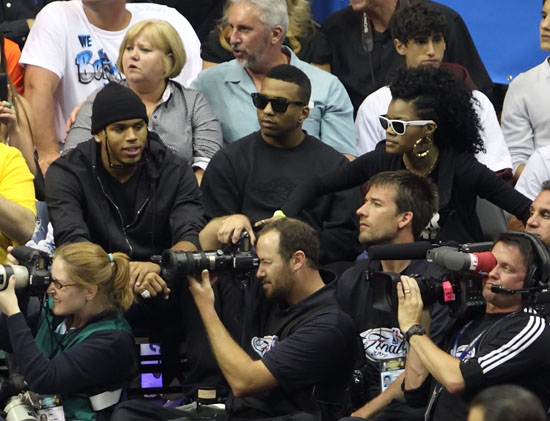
(427, 141)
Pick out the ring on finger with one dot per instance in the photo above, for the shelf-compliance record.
(10, 105)
(407, 291)
(146, 294)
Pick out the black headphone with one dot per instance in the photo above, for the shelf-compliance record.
(537, 276)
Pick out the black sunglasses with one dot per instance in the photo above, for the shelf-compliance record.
(279, 105)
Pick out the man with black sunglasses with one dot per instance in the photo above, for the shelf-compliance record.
(251, 178)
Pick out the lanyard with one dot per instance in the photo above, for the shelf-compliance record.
(438, 389)
(477, 338)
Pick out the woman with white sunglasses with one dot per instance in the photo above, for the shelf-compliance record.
(432, 130)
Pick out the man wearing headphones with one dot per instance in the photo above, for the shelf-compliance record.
(509, 344)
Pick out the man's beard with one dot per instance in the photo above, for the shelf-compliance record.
(250, 60)
(365, 240)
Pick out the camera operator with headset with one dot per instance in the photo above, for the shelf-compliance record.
(83, 348)
(509, 344)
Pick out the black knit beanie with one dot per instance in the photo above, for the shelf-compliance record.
(116, 103)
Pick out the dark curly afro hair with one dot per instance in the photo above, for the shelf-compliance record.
(438, 95)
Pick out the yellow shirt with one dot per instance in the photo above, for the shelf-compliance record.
(16, 185)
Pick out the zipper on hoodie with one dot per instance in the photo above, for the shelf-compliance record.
(119, 215)
(139, 211)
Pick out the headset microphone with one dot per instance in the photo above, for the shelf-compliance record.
(497, 289)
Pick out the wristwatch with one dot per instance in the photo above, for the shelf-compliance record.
(414, 330)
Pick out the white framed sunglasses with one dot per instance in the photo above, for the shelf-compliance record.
(400, 126)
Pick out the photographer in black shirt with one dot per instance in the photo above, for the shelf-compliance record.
(509, 344)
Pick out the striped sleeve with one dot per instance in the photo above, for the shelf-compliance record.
(514, 352)
(519, 343)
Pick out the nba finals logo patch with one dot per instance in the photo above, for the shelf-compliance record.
(262, 345)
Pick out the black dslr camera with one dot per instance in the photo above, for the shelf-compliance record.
(237, 259)
(32, 272)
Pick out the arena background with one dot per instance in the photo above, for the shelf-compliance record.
(505, 31)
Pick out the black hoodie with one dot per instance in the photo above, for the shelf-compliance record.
(168, 202)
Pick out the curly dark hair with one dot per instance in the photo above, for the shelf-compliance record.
(439, 96)
(418, 21)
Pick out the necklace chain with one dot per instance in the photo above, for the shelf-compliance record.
(434, 156)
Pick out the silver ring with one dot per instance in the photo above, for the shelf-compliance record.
(407, 291)
(263, 221)
(146, 294)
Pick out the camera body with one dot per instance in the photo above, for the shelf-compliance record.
(32, 272)
(237, 259)
(461, 292)
(459, 285)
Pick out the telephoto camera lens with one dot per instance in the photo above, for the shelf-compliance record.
(21, 276)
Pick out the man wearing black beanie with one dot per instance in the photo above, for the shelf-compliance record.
(125, 190)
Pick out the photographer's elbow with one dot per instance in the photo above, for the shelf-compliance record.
(240, 392)
(455, 386)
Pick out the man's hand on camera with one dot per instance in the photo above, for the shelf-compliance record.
(232, 227)
(152, 285)
(8, 300)
(410, 306)
(202, 291)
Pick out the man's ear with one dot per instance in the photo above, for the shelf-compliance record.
(406, 219)
(276, 34)
(297, 260)
(400, 47)
(100, 136)
(304, 113)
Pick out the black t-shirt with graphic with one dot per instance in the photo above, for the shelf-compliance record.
(382, 340)
(309, 349)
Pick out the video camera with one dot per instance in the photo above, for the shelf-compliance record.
(459, 286)
(32, 272)
(237, 259)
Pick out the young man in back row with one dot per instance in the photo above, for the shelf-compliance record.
(419, 36)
